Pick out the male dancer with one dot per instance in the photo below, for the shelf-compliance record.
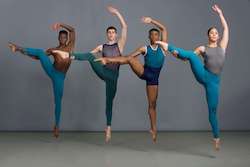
(108, 73)
(154, 59)
(56, 71)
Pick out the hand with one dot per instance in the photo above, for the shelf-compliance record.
(217, 9)
(163, 45)
(56, 26)
(146, 20)
(13, 47)
(101, 60)
(112, 10)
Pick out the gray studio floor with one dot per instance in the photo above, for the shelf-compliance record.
(127, 149)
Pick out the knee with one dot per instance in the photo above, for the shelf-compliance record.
(152, 104)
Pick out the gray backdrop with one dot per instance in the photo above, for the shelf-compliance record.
(26, 99)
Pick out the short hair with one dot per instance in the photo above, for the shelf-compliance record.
(63, 32)
(208, 31)
(111, 28)
(153, 29)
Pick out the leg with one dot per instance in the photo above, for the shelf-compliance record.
(134, 63)
(58, 86)
(111, 87)
(100, 69)
(212, 96)
(152, 93)
(43, 57)
(195, 62)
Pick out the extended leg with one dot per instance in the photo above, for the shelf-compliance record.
(195, 62)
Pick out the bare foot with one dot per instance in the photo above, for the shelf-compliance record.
(56, 132)
(154, 135)
(13, 47)
(108, 134)
(217, 144)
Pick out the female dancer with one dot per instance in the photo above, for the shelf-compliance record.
(208, 74)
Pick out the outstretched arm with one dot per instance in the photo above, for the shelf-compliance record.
(123, 38)
(71, 31)
(122, 59)
(163, 29)
(225, 36)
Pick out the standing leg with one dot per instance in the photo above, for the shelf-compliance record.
(212, 95)
(152, 93)
(111, 87)
(58, 87)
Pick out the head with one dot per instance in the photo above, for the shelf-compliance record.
(213, 34)
(153, 35)
(63, 37)
(111, 33)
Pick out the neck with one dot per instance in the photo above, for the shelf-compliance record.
(111, 42)
(153, 44)
(212, 44)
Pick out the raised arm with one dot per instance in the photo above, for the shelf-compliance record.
(71, 31)
(163, 29)
(225, 36)
(123, 38)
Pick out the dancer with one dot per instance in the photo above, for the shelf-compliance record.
(208, 74)
(56, 71)
(108, 73)
(150, 71)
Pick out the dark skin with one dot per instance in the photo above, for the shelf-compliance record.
(61, 63)
(66, 43)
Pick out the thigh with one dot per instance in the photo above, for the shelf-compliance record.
(136, 66)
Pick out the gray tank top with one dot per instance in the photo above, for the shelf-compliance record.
(111, 51)
(214, 59)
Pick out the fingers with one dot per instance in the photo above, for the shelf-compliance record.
(55, 26)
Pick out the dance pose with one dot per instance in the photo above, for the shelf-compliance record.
(208, 74)
(154, 58)
(108, 73)
(56, 71)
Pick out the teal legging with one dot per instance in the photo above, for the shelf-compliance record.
(209, 80)
(56, 76)
(109, 76)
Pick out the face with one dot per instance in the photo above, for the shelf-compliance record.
(63, 38)
(154, 36)
(111, 35)
(213, 35)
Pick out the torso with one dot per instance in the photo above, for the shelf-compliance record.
(214, 58)
(60, 63)
(111, 50)
(154, 57)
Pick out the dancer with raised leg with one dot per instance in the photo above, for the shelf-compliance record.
(56, 71)
(108, 73)
(208, 74)
(150, 71)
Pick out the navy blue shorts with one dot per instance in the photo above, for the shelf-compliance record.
(151, 75)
